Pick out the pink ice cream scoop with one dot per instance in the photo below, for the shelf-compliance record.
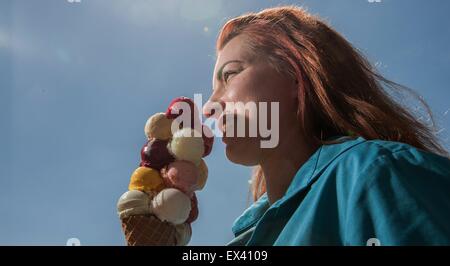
(182, 175)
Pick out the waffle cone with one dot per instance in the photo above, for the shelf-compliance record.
(148, 230)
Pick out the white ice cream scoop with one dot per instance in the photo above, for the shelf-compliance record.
(171, 205)
(187, 144)
(133, 202)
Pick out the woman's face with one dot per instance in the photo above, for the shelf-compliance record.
(239, 77)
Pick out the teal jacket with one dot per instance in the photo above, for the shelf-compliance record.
(354, 193)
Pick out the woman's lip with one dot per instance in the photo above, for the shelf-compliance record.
(222, 122)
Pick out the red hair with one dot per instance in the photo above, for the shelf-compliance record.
(339, 92)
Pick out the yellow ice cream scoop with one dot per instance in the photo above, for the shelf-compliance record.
(146, 179)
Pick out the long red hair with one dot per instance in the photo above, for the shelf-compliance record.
(339, 92)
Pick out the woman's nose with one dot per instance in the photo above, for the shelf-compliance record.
(213, 108)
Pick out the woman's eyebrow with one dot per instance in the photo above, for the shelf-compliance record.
(219, 72)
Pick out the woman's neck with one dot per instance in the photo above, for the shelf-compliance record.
(280, 167)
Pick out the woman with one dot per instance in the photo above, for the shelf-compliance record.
(352, 165)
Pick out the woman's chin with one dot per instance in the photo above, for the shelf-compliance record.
(239, 155)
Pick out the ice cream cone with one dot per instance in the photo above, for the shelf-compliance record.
(147, 230)
(161, 204)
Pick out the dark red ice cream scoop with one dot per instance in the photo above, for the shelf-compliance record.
(175, 109)
(154, 154)
(208, 140)
(178, 105)
(193, 215)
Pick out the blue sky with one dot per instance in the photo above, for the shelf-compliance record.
(78, 81)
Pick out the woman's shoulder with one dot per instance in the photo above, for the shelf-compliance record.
(400, 190)
(377, 163)
(352, 163)
(371, 155)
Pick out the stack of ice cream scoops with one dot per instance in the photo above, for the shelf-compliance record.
(161, 203)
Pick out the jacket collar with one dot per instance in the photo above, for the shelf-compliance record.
(251, 215)
(305, 176)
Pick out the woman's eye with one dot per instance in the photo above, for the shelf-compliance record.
(227, 74)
